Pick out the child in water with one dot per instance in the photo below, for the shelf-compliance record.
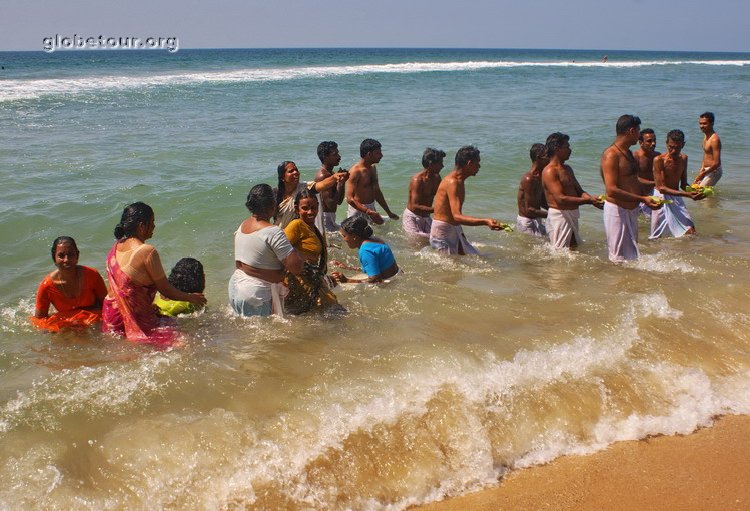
(187, 276)
(76, 292)
(375, 255)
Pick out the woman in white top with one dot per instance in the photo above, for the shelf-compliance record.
(262, 255)
(289, 186)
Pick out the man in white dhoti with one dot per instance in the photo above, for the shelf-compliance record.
(446, 234)
(564, 194)
(670, 175)
(710, 171)
(531, 202)
(423, 186)
(624, 192)
(330, 199)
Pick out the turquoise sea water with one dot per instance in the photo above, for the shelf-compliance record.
(433, 385)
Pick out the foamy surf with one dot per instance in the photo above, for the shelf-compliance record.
(14, 90)
(440, 426)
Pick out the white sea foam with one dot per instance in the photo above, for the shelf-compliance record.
(112, 389)
(484, 386)
(30, 89)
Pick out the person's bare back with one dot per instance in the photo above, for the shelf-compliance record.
(530, 197)
(450, 189)
(422, 189)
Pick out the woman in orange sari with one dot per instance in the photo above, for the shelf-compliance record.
(135, 274)
(76, 292)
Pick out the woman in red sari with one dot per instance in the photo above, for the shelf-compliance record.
(76, 292)
(135, 274)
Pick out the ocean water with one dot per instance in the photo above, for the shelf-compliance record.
(435, 384)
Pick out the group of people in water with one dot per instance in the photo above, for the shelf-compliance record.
(281, 248)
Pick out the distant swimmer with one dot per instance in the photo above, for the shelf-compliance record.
(447, 235)
(564, 194)
(328, 153)
(670, 173)
(710, 171)
(605, 59)
(422, 189)
(532, 204)
(645, 158)
(623, 191)
(363, 188)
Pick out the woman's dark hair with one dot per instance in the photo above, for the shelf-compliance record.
(358, 226)
(187, 276)
(260, 199)
(132, 216)
(280, 170)
(304, 194)
(60, 240)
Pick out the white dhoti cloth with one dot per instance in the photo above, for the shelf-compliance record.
(450, 239)
(352, 211)
(670, 219)
(712, 178)
(562, 226)
(621, 228)
(326, 221)
(533, 226)
(644, 210)
(416, 225)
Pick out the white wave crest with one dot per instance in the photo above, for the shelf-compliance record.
(14, 90)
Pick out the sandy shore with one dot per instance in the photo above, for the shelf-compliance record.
(708, 470)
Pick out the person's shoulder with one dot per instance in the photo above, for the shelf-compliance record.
(610, 152)
(322, 174)
(294, 225)
(49, 279)
(147, 248)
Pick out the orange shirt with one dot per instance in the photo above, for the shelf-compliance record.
(91, 287)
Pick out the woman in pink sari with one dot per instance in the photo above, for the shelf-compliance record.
(135, 274)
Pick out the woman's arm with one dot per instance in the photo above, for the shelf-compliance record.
(167, 290)
(42, 301)
(380, 277)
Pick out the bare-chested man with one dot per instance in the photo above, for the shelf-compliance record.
(422, 188)
(564, 194)
(645, 158)
(328, 153)
(624, 192)
(532, 204)
(363, 189)
(670, 173)
(710, 171)
(447, 235)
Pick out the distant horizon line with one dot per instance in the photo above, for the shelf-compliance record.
(477, 48)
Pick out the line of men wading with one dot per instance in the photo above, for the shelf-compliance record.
(549, 195)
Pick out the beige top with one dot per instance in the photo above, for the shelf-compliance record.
(141, 264)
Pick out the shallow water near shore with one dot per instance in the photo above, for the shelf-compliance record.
(434, 384)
